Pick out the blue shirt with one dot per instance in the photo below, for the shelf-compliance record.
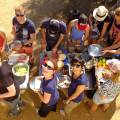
(49, 86)
(23, 31)
(73, 86)
(52, 40)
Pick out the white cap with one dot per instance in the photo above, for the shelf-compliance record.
(100, 13)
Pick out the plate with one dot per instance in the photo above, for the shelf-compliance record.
(95, 50)
(99, 72)
(20, 69)
(64, 81)
(36, 83)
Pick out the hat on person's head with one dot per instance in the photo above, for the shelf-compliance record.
(114, 65)
(100, 13)
(53, 27)
(83, 19)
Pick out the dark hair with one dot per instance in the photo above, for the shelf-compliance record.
(83, 19)
(54, 25)
(77, 60)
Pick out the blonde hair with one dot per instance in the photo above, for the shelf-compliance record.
(116, 78)
(117, 11)
(19, 8)
(3, 56)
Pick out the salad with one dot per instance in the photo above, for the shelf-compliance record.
(20, 69)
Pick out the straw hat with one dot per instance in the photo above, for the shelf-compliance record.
(100, 13)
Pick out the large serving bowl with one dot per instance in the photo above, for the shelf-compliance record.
(95, 50)
(20, 69)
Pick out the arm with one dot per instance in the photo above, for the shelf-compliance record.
(11, 92)
(111, 51)
(114, 46)
(79, 90)
(71, 24)
(86, 38)
(13, 32)
(45, 98)
(103, 31)
(61, 38)
(43, 39)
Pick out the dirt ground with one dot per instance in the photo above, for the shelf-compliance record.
(37, 10)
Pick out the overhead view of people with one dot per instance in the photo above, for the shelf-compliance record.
(9, 89)
(52, 34)
(76, 88)
(23, 30)
(48, 93)
(61, 61)
(78, 33)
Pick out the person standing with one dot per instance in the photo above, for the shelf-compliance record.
(48, 93)
(23, 30)
(9, 89)
(53, 32)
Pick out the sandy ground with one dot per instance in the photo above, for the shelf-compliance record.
(38, 9)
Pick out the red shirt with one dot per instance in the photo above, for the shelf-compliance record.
(83, 27)
(1, 41)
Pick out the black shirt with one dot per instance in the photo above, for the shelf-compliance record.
(6, 80)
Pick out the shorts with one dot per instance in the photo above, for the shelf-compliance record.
(45, 109)
(97, 100)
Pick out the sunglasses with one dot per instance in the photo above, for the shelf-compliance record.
(19, 15)
(76, 65)
(48, 67)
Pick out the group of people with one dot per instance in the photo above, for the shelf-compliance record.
(100, 27)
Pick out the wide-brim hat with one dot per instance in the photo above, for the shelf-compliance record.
(100, 13)
(114, 65)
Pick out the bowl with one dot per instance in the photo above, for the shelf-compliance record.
(20, 69)
(95, 50)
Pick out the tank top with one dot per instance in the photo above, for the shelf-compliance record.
(78, 33)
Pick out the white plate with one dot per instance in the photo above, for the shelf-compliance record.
(100, 71)
(64, 82)
(35, 83)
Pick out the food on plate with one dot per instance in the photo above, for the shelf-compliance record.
(20, 69)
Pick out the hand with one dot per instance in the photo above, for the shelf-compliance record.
(54, 50)
(105, 51)
(107, 74)
(68, 101)
(100, 40)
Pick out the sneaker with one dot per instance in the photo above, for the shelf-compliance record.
(62, 112)
(13, 113)
(21, 105)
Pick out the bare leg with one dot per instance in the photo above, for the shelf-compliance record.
(93, 108)
(105, 107)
